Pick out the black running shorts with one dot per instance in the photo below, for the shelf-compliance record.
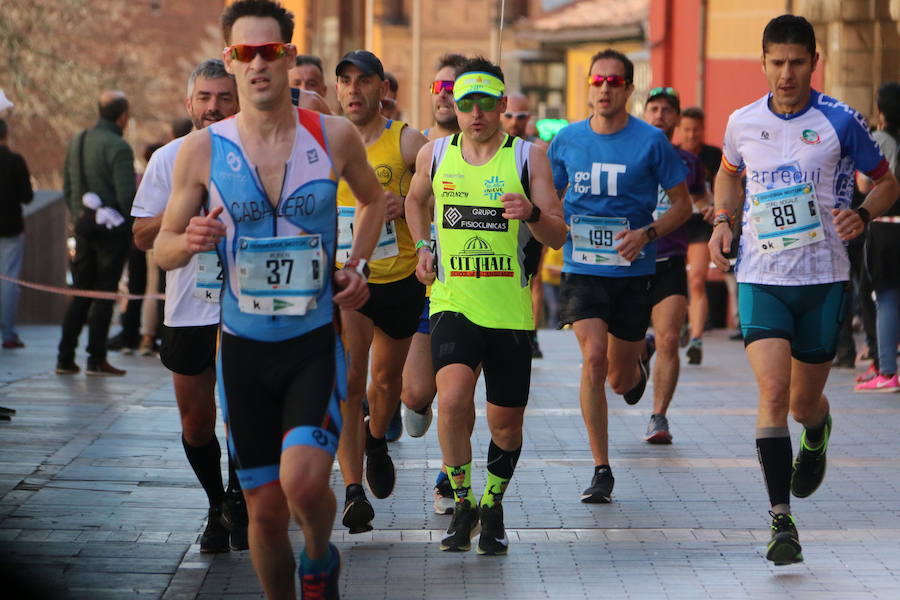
(189, 350)
(670, 279)
(624, 303)
(395, 307)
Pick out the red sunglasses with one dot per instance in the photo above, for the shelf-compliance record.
(612, 80)
(247, 52)
(441, 84)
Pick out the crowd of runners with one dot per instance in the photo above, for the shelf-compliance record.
(323, 270)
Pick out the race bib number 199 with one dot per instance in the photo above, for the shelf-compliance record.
(594, 240)
(387, 241)
(280, 275)
(786, 218)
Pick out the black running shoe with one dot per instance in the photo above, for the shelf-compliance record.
(784, 547)
(633, 396)
(358, 513)
(493, 540)
(380, 474)
(600, 491)
(695, 352)
(463, 528)
(215, 537)
(234, 519)
(809, 466)
(323, 585)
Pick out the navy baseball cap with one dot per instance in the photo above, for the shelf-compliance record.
(363, 60)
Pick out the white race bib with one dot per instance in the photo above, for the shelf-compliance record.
(387, 241)
(663, 203)
(786, 218)
(594, 240)
(208, 283)
(280, 275)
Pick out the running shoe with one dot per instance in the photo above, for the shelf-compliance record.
(658, 430)
(784, 547)
(416, 423)
(395, 427)
(600, 491)
(633, 396)
(695, 352)
(380, 474)
(880, 384)
(463, 528)
(358, 512)
(493, 540)
(323, 585)
(443, 497)
(684, 336)
(535, 346)
(846, 360)
(809, 466)
(870, 373)
(234, 519)
(214, 538)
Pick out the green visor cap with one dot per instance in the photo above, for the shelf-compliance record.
(477, 82)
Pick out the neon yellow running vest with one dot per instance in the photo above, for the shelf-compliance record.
(480, 255)
(387, 160)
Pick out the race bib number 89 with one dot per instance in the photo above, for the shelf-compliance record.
(280, 275)
(594, 240)
(786, 218)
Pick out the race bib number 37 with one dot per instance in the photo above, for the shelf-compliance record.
(387, 241)
(594, 240)
(786, 218)
(281, 275)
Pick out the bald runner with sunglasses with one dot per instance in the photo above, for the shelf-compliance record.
(494, 206)
(610, 167)
(267, 179)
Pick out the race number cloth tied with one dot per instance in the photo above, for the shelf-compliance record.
(208, 283)
(108, 217)
(594, 240)
(786, 218)
(280, 275)
(477, 83)
(387, 240)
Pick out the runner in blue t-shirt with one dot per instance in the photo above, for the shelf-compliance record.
(611, 166)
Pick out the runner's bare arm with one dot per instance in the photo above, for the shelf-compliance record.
(182, 233)
(728, 196)
(679, 212)
(550, 228)
(847, 221)
(419, 210)
(145, 230)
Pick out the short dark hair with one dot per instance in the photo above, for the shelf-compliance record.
(479, 63)
(616, 55)
(450, 60)
(149, 149)
(889, 105)
(113, 109)
(309, 59)
(393, 84)
(3, 130)
(258, 8)
(790, 29)
(693, 112)
(181, 127)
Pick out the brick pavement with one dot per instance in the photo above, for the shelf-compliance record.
(97, 499)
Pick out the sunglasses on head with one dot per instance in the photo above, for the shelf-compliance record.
(441, 84)
(485, 103)
(518, 116)
(612, 80)
(247, 52)
(662, 91)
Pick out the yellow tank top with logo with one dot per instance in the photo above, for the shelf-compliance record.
(484, 262)
(394, 257)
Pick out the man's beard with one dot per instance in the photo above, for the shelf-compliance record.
(208, 116)
(450, 123)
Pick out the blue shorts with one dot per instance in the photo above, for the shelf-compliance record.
(808, 316)
(424, 325)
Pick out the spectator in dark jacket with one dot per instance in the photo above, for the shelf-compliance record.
(99, 186)
(15, 190)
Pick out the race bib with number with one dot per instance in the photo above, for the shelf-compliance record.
(594, 240)
(387, 241)
(663, 203)
(786, 218)
(208, 284)
(280, 275)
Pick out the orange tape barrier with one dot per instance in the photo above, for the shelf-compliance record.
(52, 289)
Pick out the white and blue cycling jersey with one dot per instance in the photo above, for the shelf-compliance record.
(307, 207)
(823, 145)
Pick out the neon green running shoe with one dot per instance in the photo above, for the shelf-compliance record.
(809, 466)
(784, 547)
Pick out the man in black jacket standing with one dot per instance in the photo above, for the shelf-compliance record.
(15, 190)
(99, 187)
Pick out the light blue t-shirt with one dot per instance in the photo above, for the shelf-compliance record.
(615, 175)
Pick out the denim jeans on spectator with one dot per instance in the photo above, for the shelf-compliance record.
(888, 318)
(12, 249)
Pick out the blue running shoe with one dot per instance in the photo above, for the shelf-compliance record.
(322, 585)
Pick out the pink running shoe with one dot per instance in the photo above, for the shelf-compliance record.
(869, 375)
(880, 384)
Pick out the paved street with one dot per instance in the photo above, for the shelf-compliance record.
(97, 499)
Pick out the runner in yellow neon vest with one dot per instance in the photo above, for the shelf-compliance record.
(386, 323)
(494, 205)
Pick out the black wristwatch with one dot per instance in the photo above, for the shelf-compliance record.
(650, 230)
(864, 215)
(535, 214)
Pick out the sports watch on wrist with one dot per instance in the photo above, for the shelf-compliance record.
(650, 230)
(535, 215)
(360, 265)
(864, 215)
